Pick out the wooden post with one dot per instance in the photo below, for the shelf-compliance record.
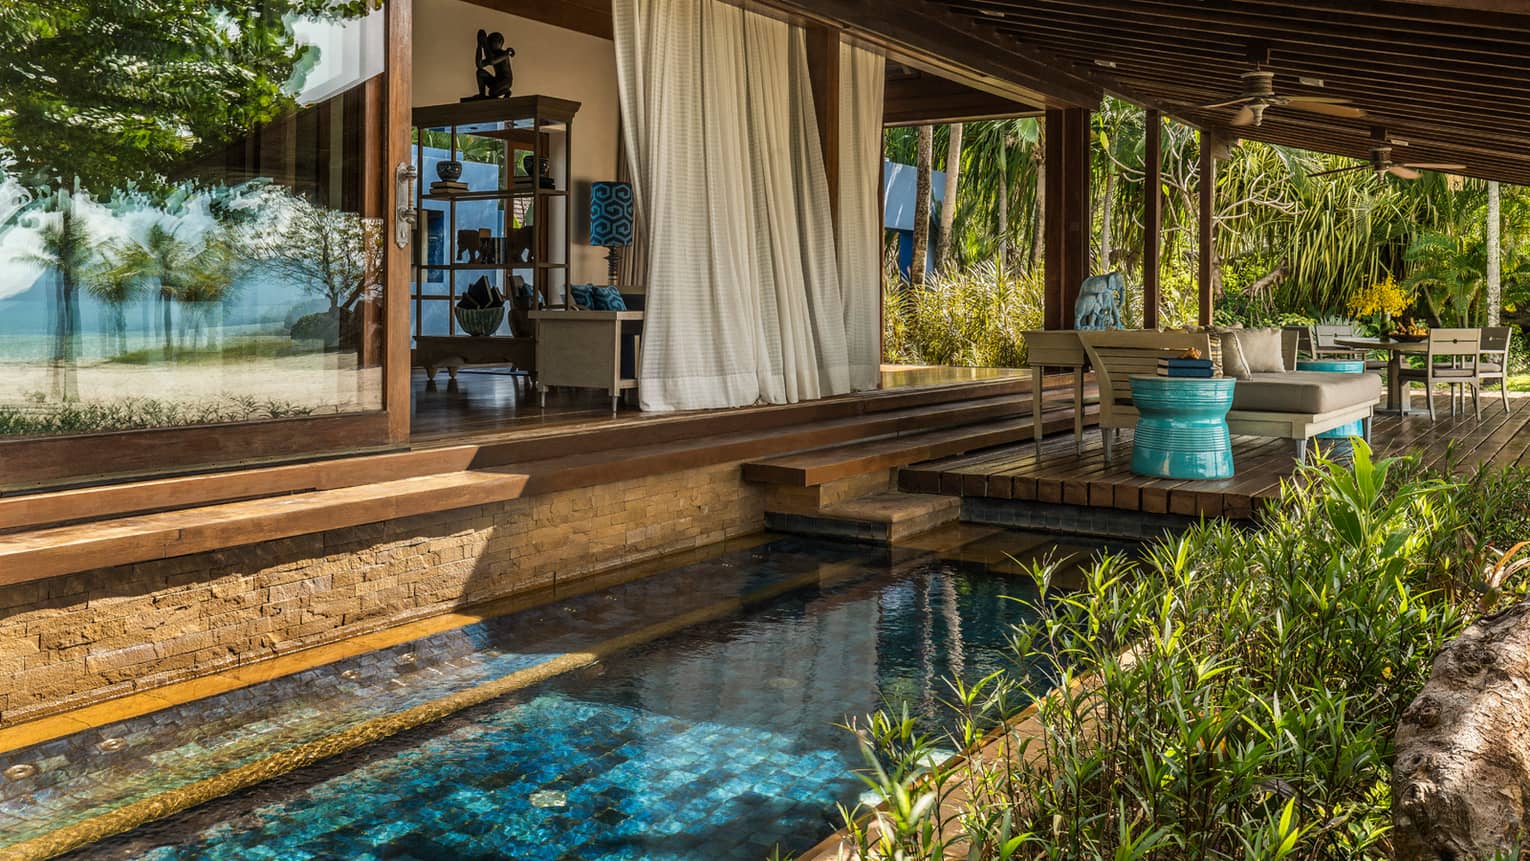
(823, 78)
(1152, 217)
(1207, 223)
(1066, 217)
(397, 369)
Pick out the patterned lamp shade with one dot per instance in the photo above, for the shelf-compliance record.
(611, 214)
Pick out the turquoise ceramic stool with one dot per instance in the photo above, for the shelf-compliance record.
(1337, 366)
(1182, 427)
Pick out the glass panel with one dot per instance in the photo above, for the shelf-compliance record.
(191, 212)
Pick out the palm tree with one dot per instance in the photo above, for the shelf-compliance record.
(1494, 247)
(67, 250)
(115, 283)
(948, 208)
(1448, 273)
(922, 206)
(163, 260)
(209, 280)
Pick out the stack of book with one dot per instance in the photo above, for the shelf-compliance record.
(1195, 368)
(445, 187)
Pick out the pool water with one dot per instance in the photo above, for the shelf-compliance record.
(721, 741)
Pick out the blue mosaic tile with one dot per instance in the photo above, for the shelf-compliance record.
(717, 743)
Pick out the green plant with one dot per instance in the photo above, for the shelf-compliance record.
(971, 318)
(1231, 695)
(39, 417)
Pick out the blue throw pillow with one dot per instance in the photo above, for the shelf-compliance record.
(581, 294)
(607, 298)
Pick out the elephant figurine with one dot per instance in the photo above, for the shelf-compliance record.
(1100, 300)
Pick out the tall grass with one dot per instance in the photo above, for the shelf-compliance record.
(1232, 695)
(970, 318)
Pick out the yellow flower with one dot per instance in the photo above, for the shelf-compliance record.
(1383, 298)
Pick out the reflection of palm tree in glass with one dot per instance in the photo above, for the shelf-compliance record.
(209, 282)
(161, 259)
(67, 249)
(115, 283)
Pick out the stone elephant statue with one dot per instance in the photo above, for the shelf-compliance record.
(1100, 300)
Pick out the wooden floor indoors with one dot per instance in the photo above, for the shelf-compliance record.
(492, 401)
(1060, 475)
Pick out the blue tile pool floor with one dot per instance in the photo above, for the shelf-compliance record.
(719, 742)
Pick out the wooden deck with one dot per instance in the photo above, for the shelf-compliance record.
(1060, 476)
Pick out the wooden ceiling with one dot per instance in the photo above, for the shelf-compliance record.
(1451, 77)
(914, 98)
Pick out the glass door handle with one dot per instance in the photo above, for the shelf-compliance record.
(407, 216)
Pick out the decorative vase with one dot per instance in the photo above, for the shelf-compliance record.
(449, 171)
(480, 322)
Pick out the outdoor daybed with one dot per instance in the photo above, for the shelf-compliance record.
(1288, 404)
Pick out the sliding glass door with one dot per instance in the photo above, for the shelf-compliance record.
(196, 233)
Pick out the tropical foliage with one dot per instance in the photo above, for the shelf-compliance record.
(1232, 694)
(1288, 242)
(113, 92)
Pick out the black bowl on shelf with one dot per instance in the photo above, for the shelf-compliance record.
(449, 171)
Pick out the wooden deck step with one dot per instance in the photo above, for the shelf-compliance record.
(47, 551)
(885, 518)
(909, 446)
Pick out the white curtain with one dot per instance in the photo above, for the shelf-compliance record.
(744, 303)
(862, 78)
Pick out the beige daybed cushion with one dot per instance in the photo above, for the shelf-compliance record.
(1311, 392)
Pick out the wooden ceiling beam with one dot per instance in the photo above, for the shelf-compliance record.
(591, 17)
(923, 99)
(1429, 18)
(932, 37)
(1202, 88)
(1288, 28)
(1315, 58)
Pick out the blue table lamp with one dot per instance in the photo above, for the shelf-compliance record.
(611, 220)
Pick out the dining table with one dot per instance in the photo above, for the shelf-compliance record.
(1395, 351)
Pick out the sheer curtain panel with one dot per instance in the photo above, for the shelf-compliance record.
(743, 272)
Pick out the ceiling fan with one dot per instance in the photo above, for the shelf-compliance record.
(1259, 95)
(1381, 162)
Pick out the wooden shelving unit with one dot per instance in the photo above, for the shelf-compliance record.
(492, 139)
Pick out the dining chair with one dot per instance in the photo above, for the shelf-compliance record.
(1303, 337)
(1452, 359)
(1495, 359)
(1323, 346)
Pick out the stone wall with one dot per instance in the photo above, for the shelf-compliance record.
(86, 637)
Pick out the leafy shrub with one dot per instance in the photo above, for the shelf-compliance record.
(323, 327)
(1232, 695)
(969, 318)
(70, 417)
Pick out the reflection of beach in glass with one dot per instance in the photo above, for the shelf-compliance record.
(228, 269)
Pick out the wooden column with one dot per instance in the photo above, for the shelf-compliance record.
(823, 77)
(1207, 223)
(399, 118)
(1152, 216)
(1067, 217)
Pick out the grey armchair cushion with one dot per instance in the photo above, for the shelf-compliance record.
(1305, 392)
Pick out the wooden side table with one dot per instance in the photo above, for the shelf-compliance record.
(1182, 427)
(583, 349)
(1061, 349)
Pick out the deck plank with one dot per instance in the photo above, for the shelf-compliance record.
(1058, 474)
